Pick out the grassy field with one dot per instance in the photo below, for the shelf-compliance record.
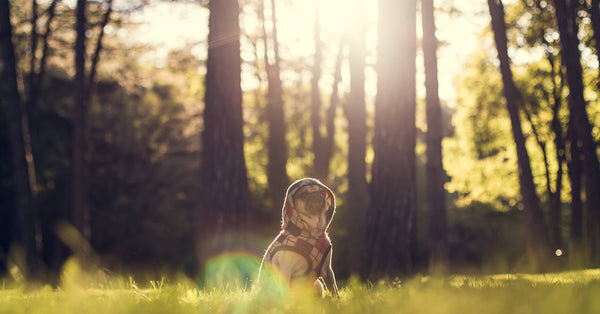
(567, 292)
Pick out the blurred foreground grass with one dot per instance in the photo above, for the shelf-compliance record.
(567, 292)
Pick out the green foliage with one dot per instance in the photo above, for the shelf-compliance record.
(569, 292)
(481, 158)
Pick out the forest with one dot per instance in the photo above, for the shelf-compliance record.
(145, 160)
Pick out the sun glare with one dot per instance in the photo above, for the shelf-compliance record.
(177, 25)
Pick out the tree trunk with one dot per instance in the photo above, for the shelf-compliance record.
(225, 195)
(328, 141)
(390, 219)
(559, 143)
(97, 50)
(276, 168)
(577, 255)
(45, 51)
(436, 195)
(535, 230)
(595, 16)
(566, 16)
(80, 210)
(555, 234)
(319, 171)
(24, 222)
(358, 197)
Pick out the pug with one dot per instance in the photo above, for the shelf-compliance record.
(302, 250)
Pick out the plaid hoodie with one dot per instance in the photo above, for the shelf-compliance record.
(293, 238)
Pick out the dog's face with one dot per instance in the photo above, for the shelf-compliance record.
(312, 203)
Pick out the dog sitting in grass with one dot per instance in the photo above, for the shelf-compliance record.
(302, 250)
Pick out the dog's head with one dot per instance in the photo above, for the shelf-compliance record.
(309, 203)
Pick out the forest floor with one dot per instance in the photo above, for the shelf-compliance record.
(566, 292)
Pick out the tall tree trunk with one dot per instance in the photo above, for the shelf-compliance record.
(225, 195)
(358, 196)
(319, 171)
(594, 7)
(276, 168)
(328, 141)
(436, 195)
(79, 183)
(96, 57)
(555, 234)
(566, 16)
(24, 222)
(535, 230)
(559, 143)
(577, 256)
(45, 51)
(390, 219)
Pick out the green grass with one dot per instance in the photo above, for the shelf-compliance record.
(567, 292)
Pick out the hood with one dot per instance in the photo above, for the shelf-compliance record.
(290, 214)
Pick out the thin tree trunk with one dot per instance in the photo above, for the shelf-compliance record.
(24, 218)
(436, 195)
(390, 219)
(79, 167)
(559, 143)
(276, 168)
(97, 50)
(595, 16)
(577, 256)
(315, 117)
(358, 196)
(45, 51)
(225, 196)
(535, 229)
(566, 16)
(334, 101)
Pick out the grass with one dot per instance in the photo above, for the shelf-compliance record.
(567, 292)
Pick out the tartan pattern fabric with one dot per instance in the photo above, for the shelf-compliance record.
(313, 250)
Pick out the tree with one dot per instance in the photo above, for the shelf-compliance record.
(276, 167)
(390, 219)
(535, 229)
(80, 210)
(358, 197)
(83, 87)
(436, 195)
(566, 17)
(24, 223)
(225, 195)
(319, 163)
(577, 257)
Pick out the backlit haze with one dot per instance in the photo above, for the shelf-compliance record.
(184, 25)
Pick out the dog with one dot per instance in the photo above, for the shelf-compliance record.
(302, 250)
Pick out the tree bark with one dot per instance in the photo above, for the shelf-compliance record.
(319, 171)
(577, 256)
(24, 218)
(45, 51)
(566, 16)
(536, 233)
(436, 195)
(276, 168)
(98, 50)
(555, 234)
(80, 210)
(559, 143)
(225, 195)
(390, 219)
(358, 197)
(595, 17)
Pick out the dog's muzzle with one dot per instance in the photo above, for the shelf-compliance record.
(315, 201)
